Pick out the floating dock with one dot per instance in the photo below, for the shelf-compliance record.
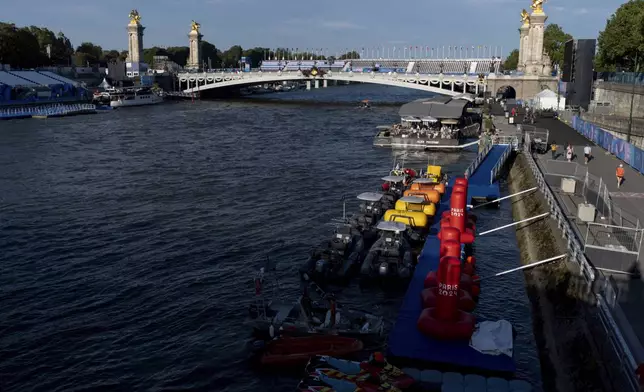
(406, 342)
(482, 183)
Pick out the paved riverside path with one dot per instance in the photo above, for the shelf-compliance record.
(630, 294)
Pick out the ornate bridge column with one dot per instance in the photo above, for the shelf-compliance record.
(537, 27)
(135, 38)
(195, 61)
(524, 45)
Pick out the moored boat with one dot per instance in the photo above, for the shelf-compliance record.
(391, 256)
(294, 351)
(439, 123)
(336, 259)
(376, 368)
(140, 97)
(307, 316)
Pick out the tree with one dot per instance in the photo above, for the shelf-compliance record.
(231, 57)
(179, 54)
(210, 54)
(19, 47)
(622, 38)
(350, 55)
(554, 40)
(512, 61)
(88, 53)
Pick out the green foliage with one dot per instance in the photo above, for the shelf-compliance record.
(554, 40)
(27, 48)
(512, 61)
(622, 38)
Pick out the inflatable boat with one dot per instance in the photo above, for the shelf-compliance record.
(296, 351)
(391, 256)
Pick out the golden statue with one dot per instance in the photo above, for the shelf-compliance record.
(525, 17)
(195, 26)
(537, 6)
(135, 18)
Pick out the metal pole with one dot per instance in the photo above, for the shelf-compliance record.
(514, 223)
(630, 116)
(523, 267)
(503, 198)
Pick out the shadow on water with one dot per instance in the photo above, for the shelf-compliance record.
(128, 239)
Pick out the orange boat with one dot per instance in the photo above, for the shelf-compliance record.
(294, 351)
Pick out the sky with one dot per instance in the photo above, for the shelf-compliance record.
(332, 24)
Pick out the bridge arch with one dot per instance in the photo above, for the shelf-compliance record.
(438, 84)
(507, 91)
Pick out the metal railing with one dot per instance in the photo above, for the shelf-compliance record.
(604, 293)
(479, 158)
(46, 110)
(494, 173)
(618, 238)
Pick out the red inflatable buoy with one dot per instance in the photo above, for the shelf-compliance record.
(450, 248)
(445, 320)
(466, 283)
(459, 188)
(465, 301)
(461, 181)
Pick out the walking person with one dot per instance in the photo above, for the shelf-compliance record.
(569, 153)
(587, 153)
(619, 173)
(553, 149)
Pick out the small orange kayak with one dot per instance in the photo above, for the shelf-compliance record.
(294, 351)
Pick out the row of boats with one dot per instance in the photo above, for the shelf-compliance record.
(376, 244)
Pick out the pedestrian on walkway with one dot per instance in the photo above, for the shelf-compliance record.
(553, 149)
(587, 153)
(619, 173)
(569, 153)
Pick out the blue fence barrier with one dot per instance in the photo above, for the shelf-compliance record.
(627, 152)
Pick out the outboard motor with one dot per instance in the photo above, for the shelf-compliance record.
(383, 269)
(320, 266)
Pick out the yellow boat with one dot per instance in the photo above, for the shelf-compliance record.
(413, 219)
(415, 203)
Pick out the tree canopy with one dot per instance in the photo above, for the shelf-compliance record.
(27, 47)
(622, 38)
(512, 61)
(554, 40)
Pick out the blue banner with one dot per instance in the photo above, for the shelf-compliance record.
(631, 155)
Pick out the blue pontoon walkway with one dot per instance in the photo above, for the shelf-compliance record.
(482, 182)
(405, 341)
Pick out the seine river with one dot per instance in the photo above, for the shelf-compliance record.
(128, 240)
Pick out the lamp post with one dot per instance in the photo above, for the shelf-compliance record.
(630, 116)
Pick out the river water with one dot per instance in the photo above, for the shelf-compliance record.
(128, 240)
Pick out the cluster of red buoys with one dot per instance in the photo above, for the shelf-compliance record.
(450, 293)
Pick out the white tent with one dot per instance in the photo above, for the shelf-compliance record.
(104, 84)
(547, 99)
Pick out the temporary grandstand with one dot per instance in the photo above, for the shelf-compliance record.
(32, 87)
(422, 66)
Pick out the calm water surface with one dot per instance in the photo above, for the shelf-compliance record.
(128, 240)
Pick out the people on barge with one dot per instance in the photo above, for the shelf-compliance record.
(418, 130)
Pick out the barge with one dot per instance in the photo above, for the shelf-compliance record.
(437, 123)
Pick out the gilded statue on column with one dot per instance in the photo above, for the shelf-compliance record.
(537, 6)
(195, 26)
(135, 18)
(525, 17)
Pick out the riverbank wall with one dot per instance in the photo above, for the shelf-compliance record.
(563, 313)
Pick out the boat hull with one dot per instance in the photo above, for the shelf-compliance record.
(127, 103)
(294, 351)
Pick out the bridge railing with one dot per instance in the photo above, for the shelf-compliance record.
(601, 289)
(496, 169)
(479, 158)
